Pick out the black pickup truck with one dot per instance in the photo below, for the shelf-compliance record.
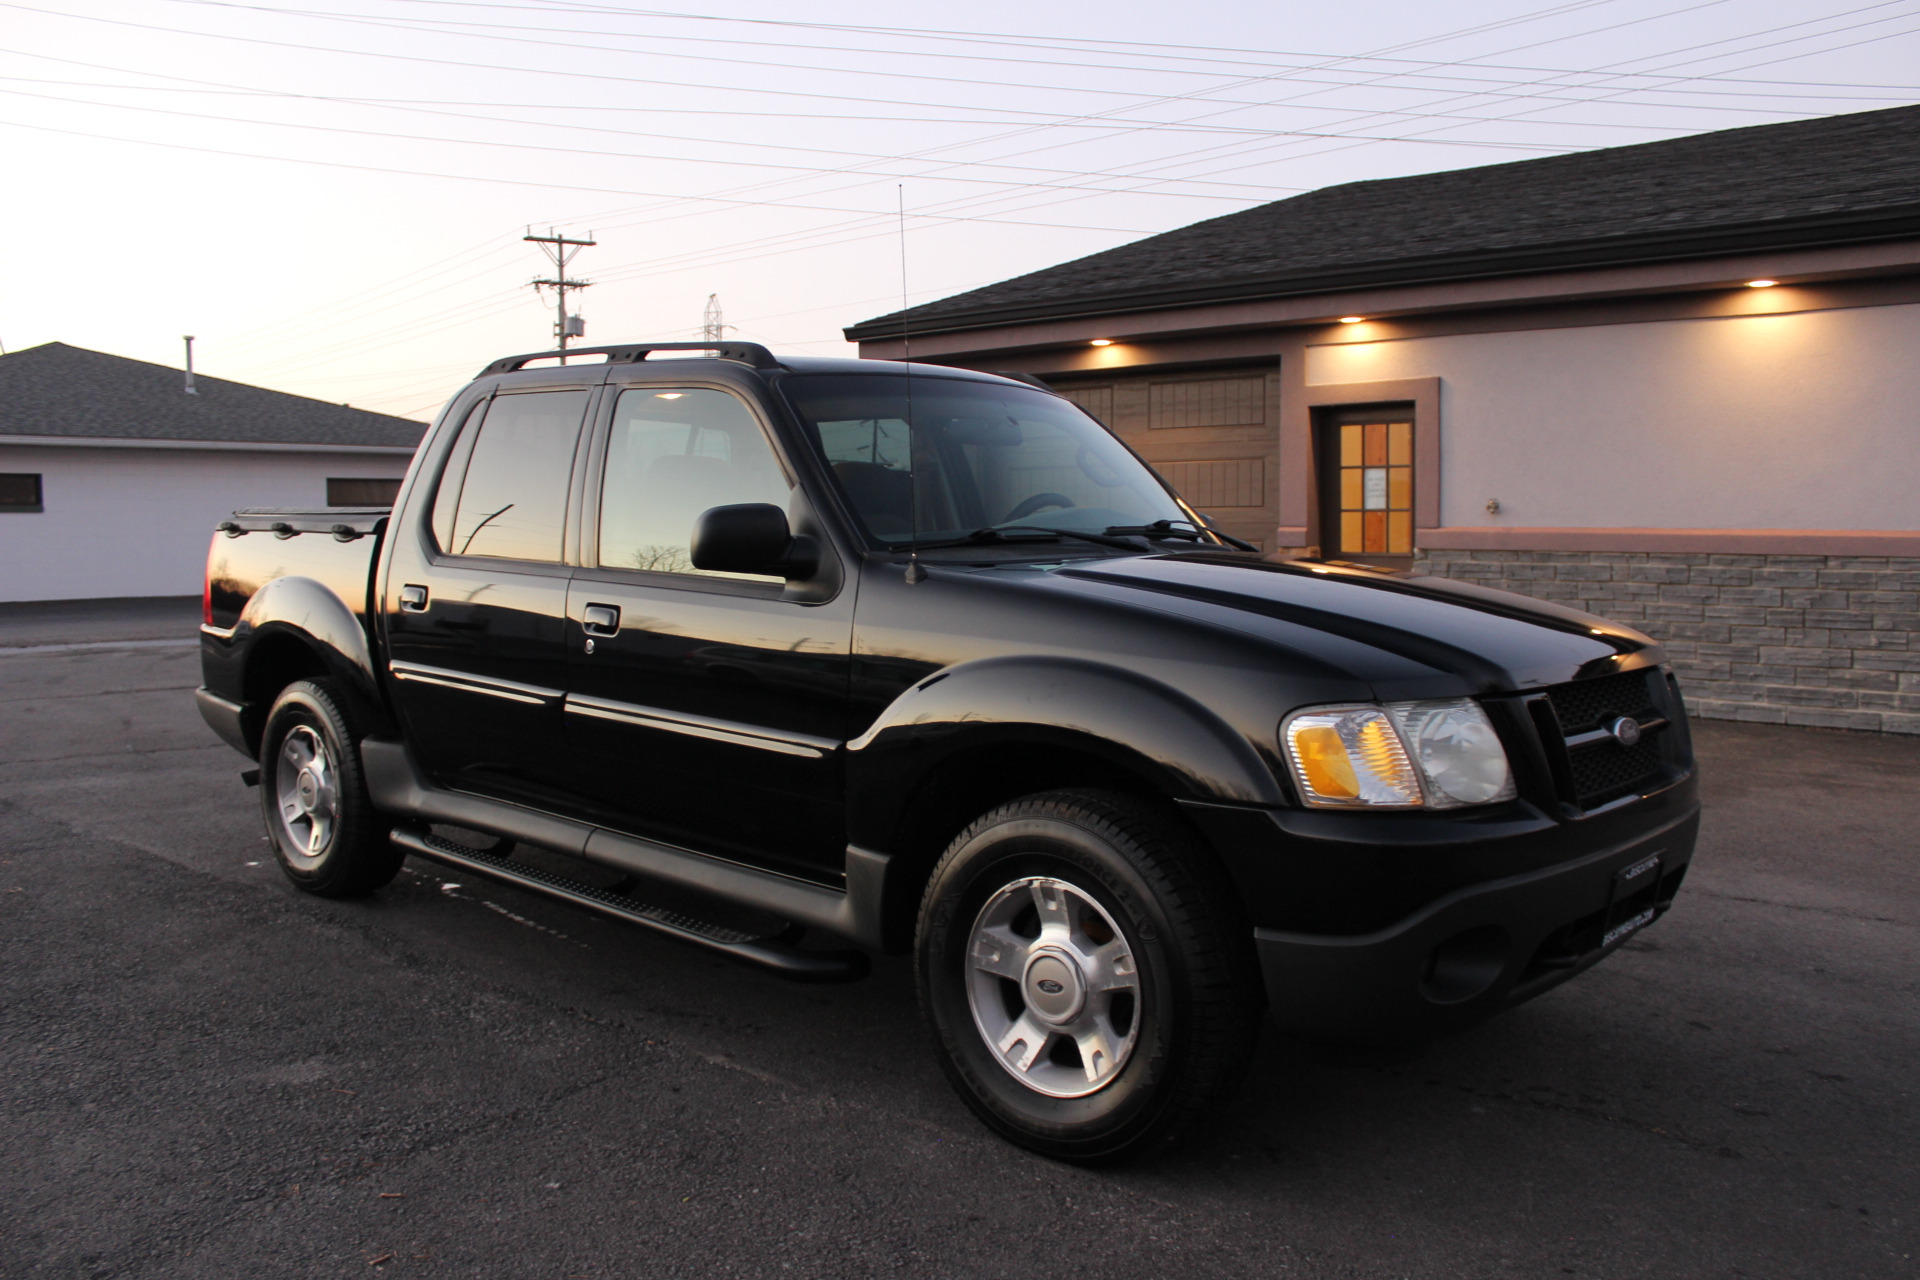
(803, 659)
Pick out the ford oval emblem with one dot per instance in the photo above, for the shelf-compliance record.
(1625, 730)
(1049, 986)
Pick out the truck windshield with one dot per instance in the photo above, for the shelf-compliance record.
(977, 456)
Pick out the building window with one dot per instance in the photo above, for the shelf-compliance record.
(361, 493)
(20, 491)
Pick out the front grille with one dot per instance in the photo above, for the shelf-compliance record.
(1603, 771)
(1588, 704)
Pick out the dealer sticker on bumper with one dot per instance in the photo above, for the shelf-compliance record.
(1626, 927)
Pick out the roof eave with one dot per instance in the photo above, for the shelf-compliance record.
(221, 446)
(1815, 231)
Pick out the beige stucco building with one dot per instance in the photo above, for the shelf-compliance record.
(1677, 384)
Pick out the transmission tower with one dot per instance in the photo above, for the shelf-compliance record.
(711, 327)
(560, 251)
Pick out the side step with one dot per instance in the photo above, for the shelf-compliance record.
(768, 953)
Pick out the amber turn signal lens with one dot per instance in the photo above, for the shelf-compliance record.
(1323, 759)
(1349, 757)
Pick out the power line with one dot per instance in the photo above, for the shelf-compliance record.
(541, 71)
(1039, 42)
(649, 81)
(848, 231)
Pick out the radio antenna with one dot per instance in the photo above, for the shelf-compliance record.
(916, 572)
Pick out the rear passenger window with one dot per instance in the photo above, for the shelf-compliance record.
(512, 502)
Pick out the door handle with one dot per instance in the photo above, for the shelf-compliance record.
(413, 598)
(601, 620)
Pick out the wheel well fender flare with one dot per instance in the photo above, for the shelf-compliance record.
(1138, 723)
(308, 613)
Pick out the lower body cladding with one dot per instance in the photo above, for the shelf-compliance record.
(1476, 950)
(1463, 956)
(398, 787)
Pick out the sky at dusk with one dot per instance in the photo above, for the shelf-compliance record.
(331, 197)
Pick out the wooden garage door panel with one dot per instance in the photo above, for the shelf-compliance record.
(1209, 402)
(1097, 401)
(1219, 482)
(1208, 435)
(1201, 442)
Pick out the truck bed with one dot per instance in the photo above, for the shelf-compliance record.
(334, 546)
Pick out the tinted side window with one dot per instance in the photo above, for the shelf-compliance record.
(513, 500)
(674, 453)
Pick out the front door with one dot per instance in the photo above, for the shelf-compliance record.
(703, 709)
(475, 605)
(1365, 463)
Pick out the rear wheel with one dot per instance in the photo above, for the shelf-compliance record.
(1085, 974)
(324, 829)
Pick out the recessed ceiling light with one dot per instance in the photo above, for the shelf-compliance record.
(1103, 342)
(1761, 284)
(1351, 319)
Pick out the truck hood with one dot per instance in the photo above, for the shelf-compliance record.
(1404, 633)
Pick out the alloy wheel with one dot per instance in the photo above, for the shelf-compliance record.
(1053, 986)
(306, 786)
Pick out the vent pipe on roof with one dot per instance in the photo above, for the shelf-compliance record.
(190, 390)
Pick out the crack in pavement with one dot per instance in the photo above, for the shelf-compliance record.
(131, 750)
(1697, 892)
(101, 693)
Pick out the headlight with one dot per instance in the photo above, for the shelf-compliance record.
(1458, 753)
(1403, 755)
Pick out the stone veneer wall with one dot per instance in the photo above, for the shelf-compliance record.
(1832, 641)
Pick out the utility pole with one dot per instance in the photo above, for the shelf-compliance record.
(711, 328)
(560, 251)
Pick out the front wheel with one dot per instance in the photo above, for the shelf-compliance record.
(1085, 975)
(324, 829)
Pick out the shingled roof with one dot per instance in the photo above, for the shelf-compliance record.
(1837, 180)
(58, 390)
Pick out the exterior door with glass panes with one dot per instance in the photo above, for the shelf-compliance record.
(1365, 459)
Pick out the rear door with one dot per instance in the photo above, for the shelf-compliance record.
(703, 709)
(475, 604)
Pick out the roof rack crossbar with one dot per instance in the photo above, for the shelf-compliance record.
(748, 353)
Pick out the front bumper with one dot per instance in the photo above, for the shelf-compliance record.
(1477, 950)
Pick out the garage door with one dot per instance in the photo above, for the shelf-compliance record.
(1214, 436)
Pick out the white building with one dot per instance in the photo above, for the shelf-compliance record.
(113, 475)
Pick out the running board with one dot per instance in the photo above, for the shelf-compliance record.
(855, 913)
(767, 953)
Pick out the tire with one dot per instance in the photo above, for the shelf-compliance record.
(1027, 932)
(313, 796)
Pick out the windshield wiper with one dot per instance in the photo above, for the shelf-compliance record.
(1158, 529)
(998, 533)
(1165, 529)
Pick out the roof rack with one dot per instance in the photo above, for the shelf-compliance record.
(748, 353)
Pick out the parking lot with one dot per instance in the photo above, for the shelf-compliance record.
(209, 1074)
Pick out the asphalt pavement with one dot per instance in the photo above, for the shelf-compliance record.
(206, 1073)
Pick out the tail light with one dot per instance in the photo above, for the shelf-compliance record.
(206, 590)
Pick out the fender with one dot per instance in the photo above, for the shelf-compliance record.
(1137, 723)
(308, 609)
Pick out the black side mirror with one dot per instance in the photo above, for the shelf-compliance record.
(751, 537)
